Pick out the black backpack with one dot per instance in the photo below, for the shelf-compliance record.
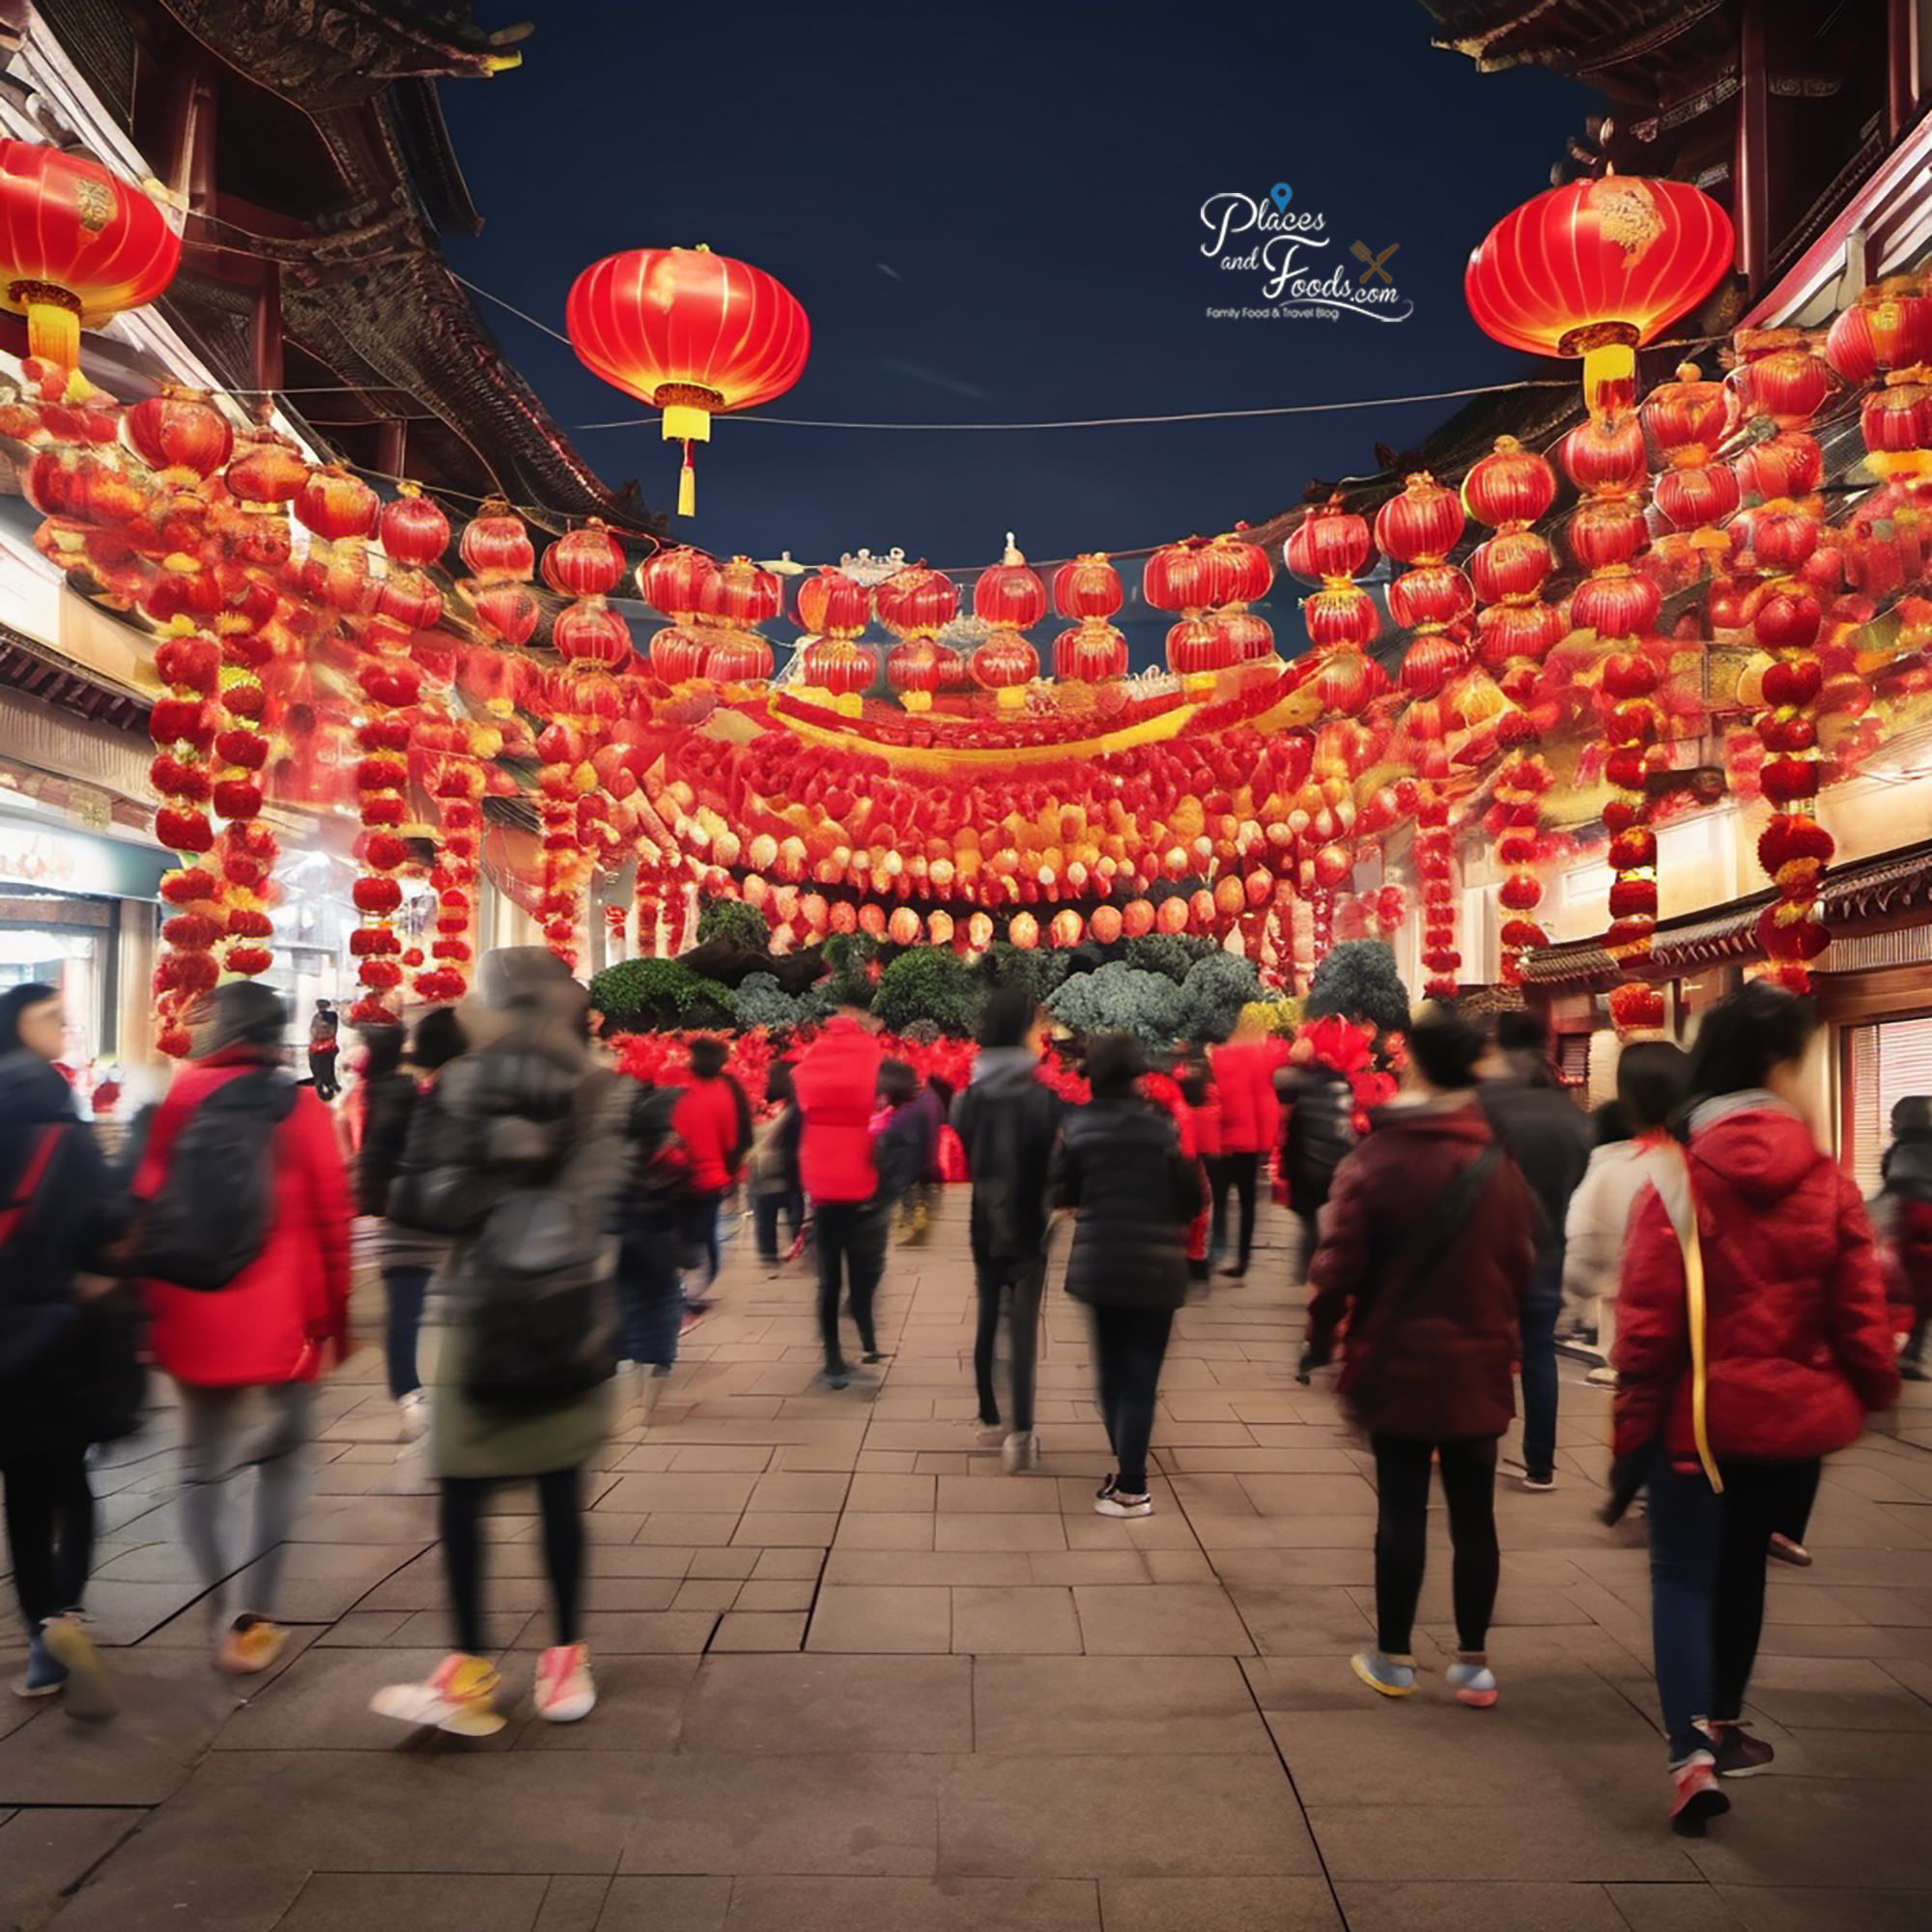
(543, 1322)
(216, 1203)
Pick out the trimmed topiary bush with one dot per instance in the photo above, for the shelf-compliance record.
(928, 982)
(1358, 980)
(1214, 992)
(733, 920)
(652, 995)
(1120, 997)
(761, 1002)
(1173, 954)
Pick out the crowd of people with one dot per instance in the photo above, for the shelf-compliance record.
(567, 1221)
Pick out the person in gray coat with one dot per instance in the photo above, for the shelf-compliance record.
(519, 1153)
(1119, 1165)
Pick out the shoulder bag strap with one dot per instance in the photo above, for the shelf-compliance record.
(22, 1198)
(1671, 1177)
(1450, 1214)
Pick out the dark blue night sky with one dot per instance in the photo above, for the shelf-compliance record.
(993, 214)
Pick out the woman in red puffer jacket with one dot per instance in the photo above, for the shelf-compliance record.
(1796, 1351)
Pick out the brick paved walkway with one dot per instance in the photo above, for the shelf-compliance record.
(854, 1677)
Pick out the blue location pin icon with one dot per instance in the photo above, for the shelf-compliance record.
(1282, 194)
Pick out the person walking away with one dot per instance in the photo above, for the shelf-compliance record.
(836, 1080)
(1243, 1069)
(1751, 1342)
(324, 1043)
(58, 1207)
(521, 1162)
(1200, 1122)
(1426, 1251)
(1007, 1120)
(1119, 1165)
(905, 1138)
(1550, 1137)
(245, 1354)
(1650, 1089)
(772, 1176)
(1905, 1199)
(928, 1106)
(650, 1222)
(406, 1260)
(713, 1120)
(1318, 1101)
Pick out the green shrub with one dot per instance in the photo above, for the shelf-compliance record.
(734, 919)
(928, 982)
(848, 954)
(1173, 954)
(761, 1002)
(1121, 997)
(1358, 980)
(655, 995)
(1214, 992)
(1044, 968)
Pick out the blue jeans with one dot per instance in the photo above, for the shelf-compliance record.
(1707, 1558)
(650, 1302)
(701, 1232)
(1537, 1354)
(405, 1289)
(765, 1211)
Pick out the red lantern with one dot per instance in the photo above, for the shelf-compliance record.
(336, 505)
(1329, 543)
(833, 605)
(584, 563)
(1006, 663)
(1687, 413)
(1091, 652)
(180, 434)
(1515, 563)
(1200, 646)
(78, 245)
(1344, 615)
(1511, 485)
(1090, 586)
(495, 544)
(266, 469)
(917, 601)
(1245, 571)
(838, 666)
(412, 528)
(689, 332)
(1422, 524)
(1595, 268)
(591, 634)
(507, 611)
(918, 668)
(1430, 597)
(739, 657)
(1184, 577)
(1010, 595)
(1605, 454)
(747, 594)
(681, 582)
(1889, 326)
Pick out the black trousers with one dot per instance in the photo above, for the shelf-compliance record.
(49, 1531)
(1242, 1172)
(1401, 1530)
(1018, 1286)
(560, 1498)
(851, 1255)
(1129, 1345)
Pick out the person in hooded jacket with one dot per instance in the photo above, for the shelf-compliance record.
(408, 1260)
(1550, 1137)
(713, 1120)
(1430, 1287)
(1650, 1089)
(1905, 1203)
(58, 1207)
(1317, 1116)
(837, 1082)
(1796, 1348)
(1243, 1069)
(524, 1117)
(1007, 1120)
(1119, 1165)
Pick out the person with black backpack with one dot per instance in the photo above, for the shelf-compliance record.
(522, 1160)
(1427, 1250)
(58, 1204)
(240, 1234)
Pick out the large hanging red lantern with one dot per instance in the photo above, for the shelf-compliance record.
(1595, 268)
(689, 332)
(77, 246)
(412, 528)
(833, 605)
(586, 562)
(1009, 594)
(180, 435)
(917, 601)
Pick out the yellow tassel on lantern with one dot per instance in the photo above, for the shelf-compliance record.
(687, 487)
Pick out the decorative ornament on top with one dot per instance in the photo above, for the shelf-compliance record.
(78, 245)
(1596, 267)
(691, 333)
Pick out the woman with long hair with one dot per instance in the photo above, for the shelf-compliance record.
(1751, 1342)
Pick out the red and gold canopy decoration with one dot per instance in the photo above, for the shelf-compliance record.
(691, 333)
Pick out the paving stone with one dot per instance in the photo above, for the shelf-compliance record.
(887, 1617)
(665, 1905)
(1165, 1620)
(813, 1703)
(449, 1902)
(47, 1850)
(1031, 1619)
(1190, 1705)
(1479, 1906)
(930, 1904)
(1672, 1908)
(1218, 1905)
(1837, 1909)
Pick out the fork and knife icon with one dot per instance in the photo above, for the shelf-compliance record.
(1374, 262)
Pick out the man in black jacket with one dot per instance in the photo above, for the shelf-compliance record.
(1550, 1137)
(1007, 1120)
(1317, 1131)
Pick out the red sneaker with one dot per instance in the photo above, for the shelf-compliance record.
(1696, 1798)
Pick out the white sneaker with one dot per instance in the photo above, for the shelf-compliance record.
(1019, 1453)
(412, 1416)
(565, 1690)
(459, 1698)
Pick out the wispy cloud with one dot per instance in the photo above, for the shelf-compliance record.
(918, 373)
